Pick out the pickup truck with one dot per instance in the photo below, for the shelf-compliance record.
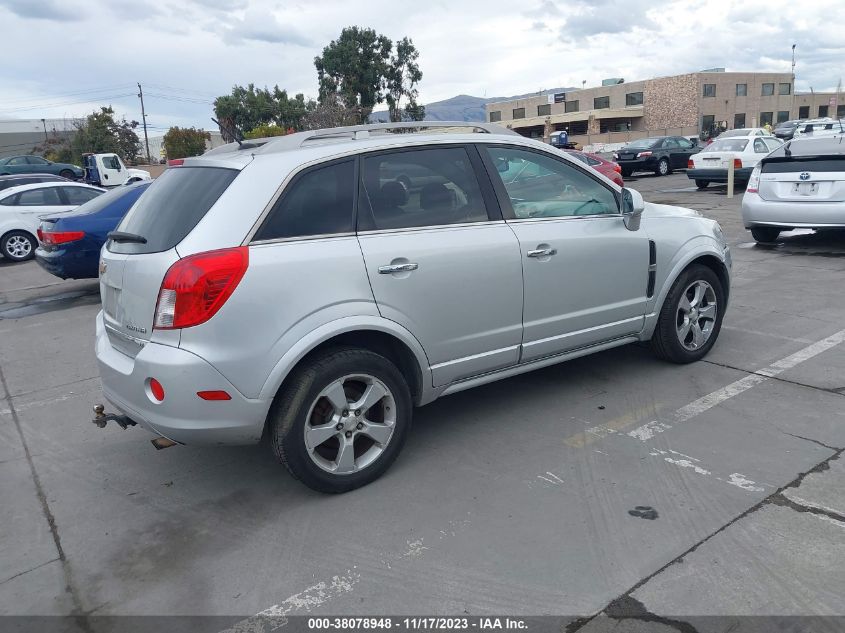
(108, 170)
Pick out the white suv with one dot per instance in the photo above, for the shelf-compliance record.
(314, 288)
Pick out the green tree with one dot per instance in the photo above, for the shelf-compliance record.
(264, 131)
(100, 133)
(403, 75)
(183, 142)
(248, 108)
(353, 70)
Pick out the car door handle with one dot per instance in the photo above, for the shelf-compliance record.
(396, 268)
(542, 252)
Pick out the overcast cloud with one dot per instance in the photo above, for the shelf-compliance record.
(63, 58)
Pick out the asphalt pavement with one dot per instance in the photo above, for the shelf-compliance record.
(609, 486)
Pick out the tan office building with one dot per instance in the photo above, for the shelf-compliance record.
(681, 105)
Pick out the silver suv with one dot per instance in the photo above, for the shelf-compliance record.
(313, 289)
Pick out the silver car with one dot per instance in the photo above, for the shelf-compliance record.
(314, 288)
(799, 185)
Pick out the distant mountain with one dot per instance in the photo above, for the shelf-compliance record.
(463, 107)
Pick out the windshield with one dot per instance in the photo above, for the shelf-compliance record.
(727, 145)
(172, 207)
(731, 133)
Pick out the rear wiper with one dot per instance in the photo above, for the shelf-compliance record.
(120, 236)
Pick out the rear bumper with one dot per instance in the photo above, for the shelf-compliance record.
(810, 215)
(69, 264)
(719, 175)
(182, 416)
(638, 164)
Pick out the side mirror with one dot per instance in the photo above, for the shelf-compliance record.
(632, 208)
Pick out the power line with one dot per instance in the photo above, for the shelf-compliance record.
(67, 103)
(178, 98)
(186, 90)
(64, 94)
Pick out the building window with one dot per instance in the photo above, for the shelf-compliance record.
(823, 110)
(495, 115)
(840, 112)
(519, 113)
(560, 97)
(577, 127)
(572, 106)
(768, 90)
(742, 90)
(544, 110)
(766, 117)
(783, 115)
(739, 121)
(708, 121)
(784, 89)
(600, 103)
(709, 90)
(634, 99)
(804, 112)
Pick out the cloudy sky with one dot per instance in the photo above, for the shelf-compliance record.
(63, 58)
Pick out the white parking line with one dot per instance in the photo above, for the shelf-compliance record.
(648, 430)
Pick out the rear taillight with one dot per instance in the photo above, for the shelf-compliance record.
(753, 181)
(59, 237)
(196, 287)
(737, 163)
(690, 164)
(643, 154)
(175, 162)
(617, 168)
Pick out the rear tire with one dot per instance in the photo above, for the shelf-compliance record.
(66, 173)
(691, 316)
(662, 168)
(325, 449)
(626, 172)
(18, 246)
(765, 234)
(702, 184)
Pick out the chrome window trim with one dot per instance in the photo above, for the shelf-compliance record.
(415, 229)
(567, 217)
(303, 238)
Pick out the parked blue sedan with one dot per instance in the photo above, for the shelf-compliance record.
(70, 243)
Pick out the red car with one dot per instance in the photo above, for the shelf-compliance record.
(606, 168)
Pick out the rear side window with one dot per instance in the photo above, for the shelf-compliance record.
(172, 207)
(317, 202)
(46, 196)
(79, 195)
(420, 187)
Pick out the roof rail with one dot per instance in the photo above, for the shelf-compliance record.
(354, 132)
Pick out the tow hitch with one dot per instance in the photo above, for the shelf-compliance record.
(101, 418)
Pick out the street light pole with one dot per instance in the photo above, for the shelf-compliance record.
(144, 118)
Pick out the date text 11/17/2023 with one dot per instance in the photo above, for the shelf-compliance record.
(418, 623)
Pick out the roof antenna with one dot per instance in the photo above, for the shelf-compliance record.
(233, 132)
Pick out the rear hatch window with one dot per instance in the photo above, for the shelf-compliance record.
(171, 208)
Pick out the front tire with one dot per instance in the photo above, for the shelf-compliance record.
(691, 316)
(765, 234)
(702, 184)
(662, 168)
(341, 419)
(18, 246)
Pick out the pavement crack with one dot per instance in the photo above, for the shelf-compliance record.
(626, 598)
(779, 499)
(45, 506)
(19, 574)
(762, 372)
(629, 608)
(810, 439)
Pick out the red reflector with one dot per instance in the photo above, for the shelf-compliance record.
(175, 162)
(40, 235)
(690, 164)
(60, 237)
(156, 389)
(214, 395)
(737, 163)
(617, 168)
(196, 287)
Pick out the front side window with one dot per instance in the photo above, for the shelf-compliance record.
(540, 186)
(46, 196)
(709, 90)
(18, 160)
(110, 162)
(741, 90)
(417, 188)
(684, 143)
(768, 90)
(670, 143)
(318, 202)
(79, 195)
(600, 103)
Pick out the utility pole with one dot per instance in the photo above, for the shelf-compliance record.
(144, 118)
(44, 123)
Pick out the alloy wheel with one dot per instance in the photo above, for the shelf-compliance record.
(696, 316)
(18, 247)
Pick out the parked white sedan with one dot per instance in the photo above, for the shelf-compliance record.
(712, 163)
(22, 206)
